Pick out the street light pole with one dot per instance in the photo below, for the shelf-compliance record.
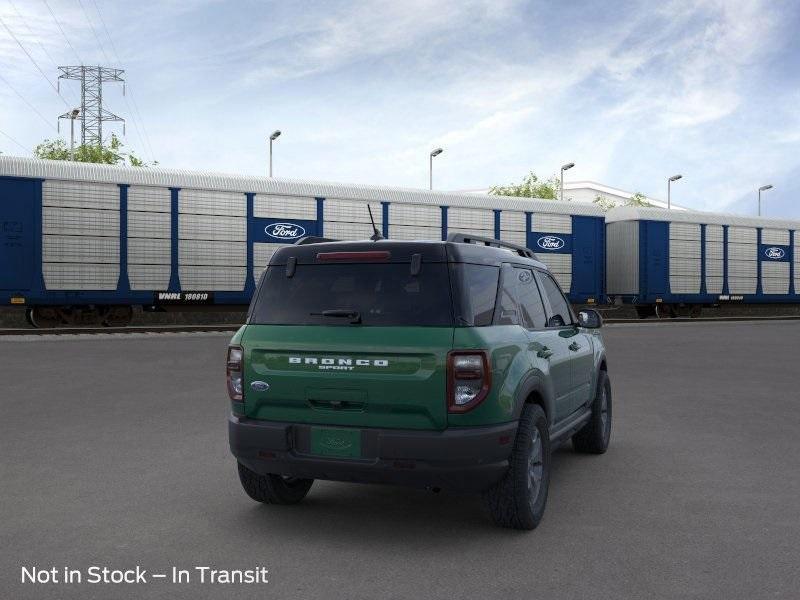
(564, 168)
(669, 191)
(763, 188)
(72, 116)
(275, 135)
(435, 152)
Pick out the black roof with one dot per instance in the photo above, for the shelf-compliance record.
(401, 251)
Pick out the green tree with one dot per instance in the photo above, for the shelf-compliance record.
(606, 203)
(638, 199)
(110, 154)
(531, 187)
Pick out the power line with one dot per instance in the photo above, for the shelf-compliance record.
(61, 29)
(137, 116)
(96, 37)
(33, 35)
(28, 54)
(15, 141)
(32, 107)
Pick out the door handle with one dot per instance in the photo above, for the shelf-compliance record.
(574, 346)
(545, 352)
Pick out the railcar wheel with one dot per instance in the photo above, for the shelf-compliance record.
(45, 317)
(664, 311)
(696, 311)
(117, 316)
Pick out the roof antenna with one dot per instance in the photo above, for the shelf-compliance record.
(376, 235)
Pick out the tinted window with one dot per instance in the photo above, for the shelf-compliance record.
(560, 313)
(530, 300)
(475, 291)
(382, 294)
(508, 307)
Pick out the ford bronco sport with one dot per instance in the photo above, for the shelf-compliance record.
(454, 364)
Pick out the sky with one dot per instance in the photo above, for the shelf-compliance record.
(632, 92)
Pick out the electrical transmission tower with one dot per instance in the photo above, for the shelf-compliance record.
(92, 113)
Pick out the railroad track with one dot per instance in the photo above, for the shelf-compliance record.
(232, 328)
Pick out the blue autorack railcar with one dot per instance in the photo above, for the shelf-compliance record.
(86, 243)
(670, 262)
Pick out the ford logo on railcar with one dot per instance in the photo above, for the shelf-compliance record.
(775, 253)
(285, 231)
(550, 242)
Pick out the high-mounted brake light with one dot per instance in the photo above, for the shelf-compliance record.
(367, 255)
(469, 379)
(234, 373)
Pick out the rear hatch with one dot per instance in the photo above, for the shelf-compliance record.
(351, 340)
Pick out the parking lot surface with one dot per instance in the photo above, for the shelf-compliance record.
(114, 452)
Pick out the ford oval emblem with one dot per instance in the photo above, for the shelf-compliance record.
(285, 231)
(259, 386)
(550, 242)
(774, 253)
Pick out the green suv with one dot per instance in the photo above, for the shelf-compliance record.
(453, 364)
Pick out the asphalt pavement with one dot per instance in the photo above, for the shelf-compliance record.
(114, 453)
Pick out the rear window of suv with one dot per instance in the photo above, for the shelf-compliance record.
(383, 294)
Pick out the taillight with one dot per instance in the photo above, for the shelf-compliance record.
(468, 379)
(234, 373)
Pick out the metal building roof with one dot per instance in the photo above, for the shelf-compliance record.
(156, 176)
(633, 213)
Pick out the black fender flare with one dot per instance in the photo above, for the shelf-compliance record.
(534, 382)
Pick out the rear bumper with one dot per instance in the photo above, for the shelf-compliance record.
(463, 459)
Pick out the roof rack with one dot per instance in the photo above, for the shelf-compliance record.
(467, 238)
(313, 239)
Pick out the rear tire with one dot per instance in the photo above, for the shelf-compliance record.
(273, 489)
(595, 435)
(518, 500)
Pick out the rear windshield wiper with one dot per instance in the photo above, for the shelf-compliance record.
(342, 313)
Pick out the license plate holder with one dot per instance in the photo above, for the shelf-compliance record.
(336, 442)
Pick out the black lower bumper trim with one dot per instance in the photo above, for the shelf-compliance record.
(463, 459)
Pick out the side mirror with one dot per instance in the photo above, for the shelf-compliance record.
(590, 319)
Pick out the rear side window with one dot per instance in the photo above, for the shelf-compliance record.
(530, 300)
(474, 292)
(382, 294)
(560, 313)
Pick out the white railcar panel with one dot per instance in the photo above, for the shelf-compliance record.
(77, 221)
(515, 237)
(512, 220)
(715, 267)
(285, 207)
(715, 250)
(148, 277)
(775, 236)
(148, 251)
(80, 194)
(203, 252)
(473, 219)
(149, 225)
(412, 232)
(742, 268)
(207, 202)
(73, 248)
(80, 276)
(714, 285)
(742, 285)
(262, 253)
(349, 231)
(207, 278)
(209, 227)
(714, 233)
(684, 248)
(351, 211)
(149, 199)
(775, 277)
(551, 223)
(560, 265)
(742, 235)
(684, 231)
(684, 275)
(747, 252)
(415, 214)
